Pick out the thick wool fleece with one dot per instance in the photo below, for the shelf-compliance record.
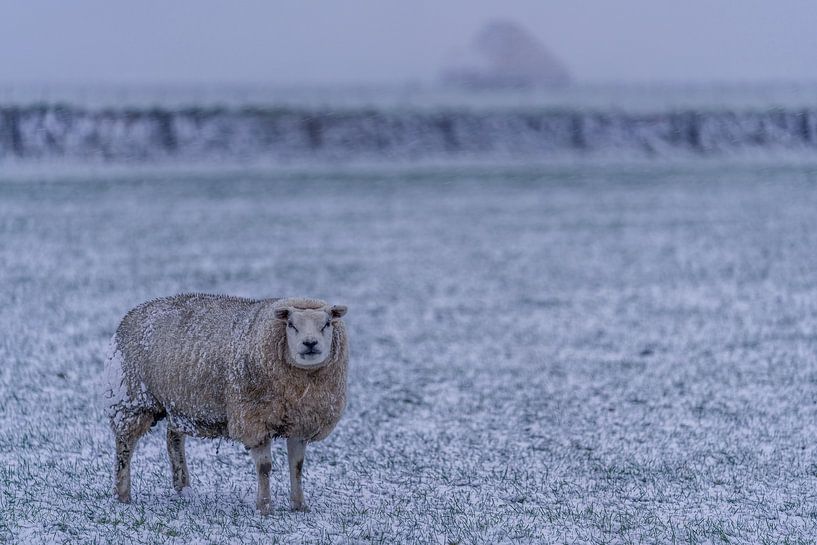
(219, 366)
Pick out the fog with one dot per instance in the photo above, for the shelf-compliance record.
(380, 41)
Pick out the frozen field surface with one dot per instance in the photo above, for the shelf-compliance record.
(539, 355)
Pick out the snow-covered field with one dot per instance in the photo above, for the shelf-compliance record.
(571, 354)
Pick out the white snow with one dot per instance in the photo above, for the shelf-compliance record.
(566, 354)
(114, 389)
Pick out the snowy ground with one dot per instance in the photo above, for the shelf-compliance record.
(549, 355)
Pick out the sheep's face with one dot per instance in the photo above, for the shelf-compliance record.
(309, 333)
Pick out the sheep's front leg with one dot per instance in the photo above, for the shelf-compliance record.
(295, 454)
(263, 466)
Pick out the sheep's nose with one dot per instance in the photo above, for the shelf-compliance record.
(310, 344)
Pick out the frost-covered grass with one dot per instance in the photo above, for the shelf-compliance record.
(563, 355)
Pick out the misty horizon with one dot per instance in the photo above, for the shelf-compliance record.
(374, 43)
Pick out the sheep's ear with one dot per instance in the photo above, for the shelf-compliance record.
(282, 313)
(337, 311)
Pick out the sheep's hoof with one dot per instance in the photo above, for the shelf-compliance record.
(264, 508)
(300, 507)
(123, 498)
(186, 492)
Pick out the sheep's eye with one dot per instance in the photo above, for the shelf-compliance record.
(292, 326)
(325, 326)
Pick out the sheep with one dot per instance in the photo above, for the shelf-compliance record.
(222, 366)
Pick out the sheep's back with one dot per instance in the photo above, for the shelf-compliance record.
(180, 350)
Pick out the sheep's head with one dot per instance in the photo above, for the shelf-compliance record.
(309, 333)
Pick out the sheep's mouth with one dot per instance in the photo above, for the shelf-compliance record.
(310, 360)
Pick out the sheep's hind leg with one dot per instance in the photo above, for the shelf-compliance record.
(263, 466)
(295, 454)
(127, 435)
(178, 463)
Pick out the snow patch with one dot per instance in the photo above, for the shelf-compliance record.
(115, 390)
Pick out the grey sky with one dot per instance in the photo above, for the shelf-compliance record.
(314, 41)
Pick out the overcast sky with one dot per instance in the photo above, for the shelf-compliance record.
(311, 41)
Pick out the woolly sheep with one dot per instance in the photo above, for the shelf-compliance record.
(221, 366)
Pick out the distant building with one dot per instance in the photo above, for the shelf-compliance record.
(505, 55)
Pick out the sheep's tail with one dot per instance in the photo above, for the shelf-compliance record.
(114, 391)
